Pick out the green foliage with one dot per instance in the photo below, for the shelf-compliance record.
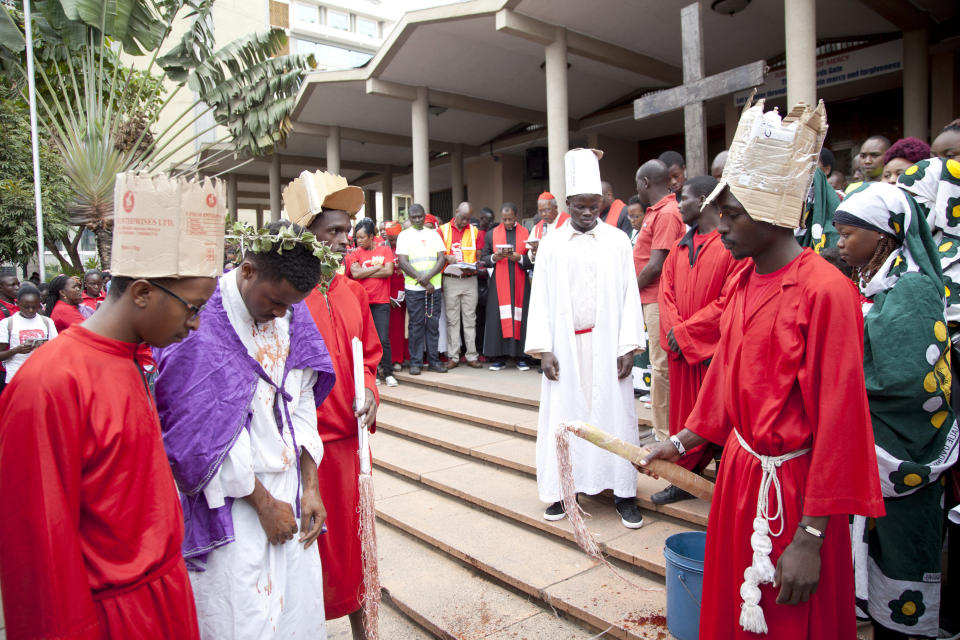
(102, 111)
(18, 229)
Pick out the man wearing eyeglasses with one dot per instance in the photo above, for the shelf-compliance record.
(91, 546)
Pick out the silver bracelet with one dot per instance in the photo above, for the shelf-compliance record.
(814, 532)
(679, 445)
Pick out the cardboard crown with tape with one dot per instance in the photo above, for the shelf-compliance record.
(167, 227)
(305, 197)
(771, 161)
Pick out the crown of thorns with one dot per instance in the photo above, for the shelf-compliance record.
(262, 241)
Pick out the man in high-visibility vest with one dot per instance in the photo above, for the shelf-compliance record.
(460, 285)
(613, 211)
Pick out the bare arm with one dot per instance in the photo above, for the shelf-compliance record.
(651, 271)
(276, 516)
(379, 271)
(312, 512)
(6, 352)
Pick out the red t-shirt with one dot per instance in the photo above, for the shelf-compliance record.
(65, 315)
(662, 227)
(378, 289)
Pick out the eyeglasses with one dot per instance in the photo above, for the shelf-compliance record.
(194, 309)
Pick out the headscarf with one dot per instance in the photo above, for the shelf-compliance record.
(393, 228)
(935, 186)
(885, 207)
(431, 219)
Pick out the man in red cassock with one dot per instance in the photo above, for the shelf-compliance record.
(694, 284)
(785, 395)
(341, 314)
(91, 544)
(398, 310)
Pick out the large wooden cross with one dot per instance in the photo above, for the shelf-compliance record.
(696, 89)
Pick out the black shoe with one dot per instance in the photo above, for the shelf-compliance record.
(555, 512)
(414, 370)
(437, 368)
(670, 495)
(629, 512)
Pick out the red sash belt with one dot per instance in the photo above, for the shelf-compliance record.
(580, 332)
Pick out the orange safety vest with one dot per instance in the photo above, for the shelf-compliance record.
(613, 215)
(466, 249)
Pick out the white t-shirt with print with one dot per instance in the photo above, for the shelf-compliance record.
(17, 330)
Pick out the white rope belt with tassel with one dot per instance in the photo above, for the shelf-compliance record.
(761, 570)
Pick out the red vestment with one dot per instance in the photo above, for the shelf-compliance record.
(342, 315)
(91, 545)
(788, 374)
(694, 284)
(537, 232)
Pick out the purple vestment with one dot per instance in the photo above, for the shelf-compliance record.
(205, 386)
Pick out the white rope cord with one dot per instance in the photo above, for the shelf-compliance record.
(761, 571)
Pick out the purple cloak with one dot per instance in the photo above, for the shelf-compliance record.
(203, 393)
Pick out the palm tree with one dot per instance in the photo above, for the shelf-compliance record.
(93, 99)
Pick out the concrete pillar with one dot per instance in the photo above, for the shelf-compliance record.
(456, 176)
(275, 203)
(420, 133)
(333, 150)
(942, 90)
(916, 78)
(259, 216)
(731, 118)
(558, 133)
(800, 23)
(387, 192)
(232, 197)
(370, 204)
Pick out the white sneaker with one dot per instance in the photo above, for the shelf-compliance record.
(391, 381)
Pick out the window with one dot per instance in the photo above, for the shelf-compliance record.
(330, 57)
(367, 27)
(338, 20)
(307, 13)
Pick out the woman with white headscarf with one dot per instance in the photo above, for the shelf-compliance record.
(885, 238)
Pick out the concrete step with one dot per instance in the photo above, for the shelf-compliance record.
(462, 409)
(514, 496)
(393, 624)
(416, 445)
(449, 600)
(512, 387)
(548, 570)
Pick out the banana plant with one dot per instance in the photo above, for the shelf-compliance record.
(94, 99)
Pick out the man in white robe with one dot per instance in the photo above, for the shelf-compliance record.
(253, 578)
(585, 324)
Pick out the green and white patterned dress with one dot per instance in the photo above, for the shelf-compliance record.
(907, 370)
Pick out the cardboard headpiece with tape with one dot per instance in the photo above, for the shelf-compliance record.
(771, 161)
(305, 197)
(167, 227)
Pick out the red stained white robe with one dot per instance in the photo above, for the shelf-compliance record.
(91, 541)
(694, 285)
(342, 315)
(788, 374)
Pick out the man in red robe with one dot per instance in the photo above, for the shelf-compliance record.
(398, 309)
(93, 550)
(341, 314)
(694, 284)
(785, 395)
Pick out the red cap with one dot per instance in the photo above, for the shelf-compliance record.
(546, 195)
(432, 219)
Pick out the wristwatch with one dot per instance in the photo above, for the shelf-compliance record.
(814, 532)
(679, 445)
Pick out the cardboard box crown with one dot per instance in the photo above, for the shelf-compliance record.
(771, 161)
(167, 227)
(308, 194)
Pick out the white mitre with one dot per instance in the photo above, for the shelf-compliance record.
(583, 172)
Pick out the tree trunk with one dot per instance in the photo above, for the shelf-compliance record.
(104, 235)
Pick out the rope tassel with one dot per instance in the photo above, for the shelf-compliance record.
(366, 511)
